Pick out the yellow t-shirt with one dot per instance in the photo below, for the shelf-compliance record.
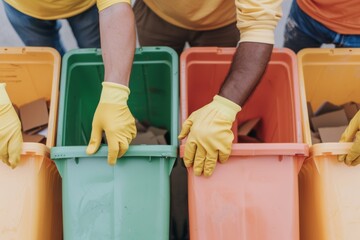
(58, 9)
(256, 19)
(341, 16)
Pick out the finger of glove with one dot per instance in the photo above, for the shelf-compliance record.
(223, 157)
(95, 140)
(4, 156)
(185, 129)
(15, 145)
(341, 158)
(354, 150)
(113, 150)
(5, 159)
(351, 129)
(356, 161)
(199, 160)
(351, 156)
(189, 154)
(210, 163)
(124, 146)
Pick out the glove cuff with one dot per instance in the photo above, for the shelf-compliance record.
(227, 106)
(114, 93)
(4, 98)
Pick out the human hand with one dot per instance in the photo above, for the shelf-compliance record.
(209, 135)
(10, 131)
(353, 130)
(114, 117)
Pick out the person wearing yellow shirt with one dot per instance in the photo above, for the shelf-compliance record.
(213, 23)
(37, 22)
(112, 115)
(246, 24)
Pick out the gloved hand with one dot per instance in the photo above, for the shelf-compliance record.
(10, 131)
(353, 130)
(209, 135)
(114, 117)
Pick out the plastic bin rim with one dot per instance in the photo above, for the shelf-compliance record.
(29, 148)
(334, 51)
(166, 151)
(321, 149)
(265, 149)
(226, 50)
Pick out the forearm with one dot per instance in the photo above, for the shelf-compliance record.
(247, 68)
(117, 29)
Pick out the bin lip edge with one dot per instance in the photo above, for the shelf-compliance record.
(64, 152)
(261, 149)
(333, 148)
(35, 148)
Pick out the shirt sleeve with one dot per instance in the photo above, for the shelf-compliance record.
(102, 4)
(257, 19)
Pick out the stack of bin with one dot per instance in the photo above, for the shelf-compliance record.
(329, 196)
(255, 194)
(130, 200)
(30, 202)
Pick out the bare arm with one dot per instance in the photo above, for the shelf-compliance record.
(117, 29)
(256, 20)
(248, 66)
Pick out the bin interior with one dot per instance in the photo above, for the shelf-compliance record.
(330, 75)
(327, 75)
(32, 73)
(274, 99)
(153, 97)
(27, 72)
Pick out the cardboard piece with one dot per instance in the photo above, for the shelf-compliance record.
(331, 134)
(48, 104)
(141, 127)
(310, 110)
(33, 138)
(43, 132)
(148, 138)
(157, 131)
(161, 140)
(350, 108)
(34, 115)
(315, 140)
(36, 130)
(246, 127)
(248, 139)
(332, 119)
(326, 107)
(247, 133)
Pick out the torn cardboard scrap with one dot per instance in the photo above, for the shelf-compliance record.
(34, 115)
(247, 132)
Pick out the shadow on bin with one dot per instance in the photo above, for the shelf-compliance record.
(255, 194)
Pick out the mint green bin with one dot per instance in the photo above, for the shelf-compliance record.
(130, 200)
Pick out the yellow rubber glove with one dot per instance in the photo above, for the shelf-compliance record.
(10, 131)
(353, 130)
(209, 135)
(114, 117)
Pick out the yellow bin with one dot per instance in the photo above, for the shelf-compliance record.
(30, 202)
(328, 190)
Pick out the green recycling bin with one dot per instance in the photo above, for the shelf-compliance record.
(130, 200)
